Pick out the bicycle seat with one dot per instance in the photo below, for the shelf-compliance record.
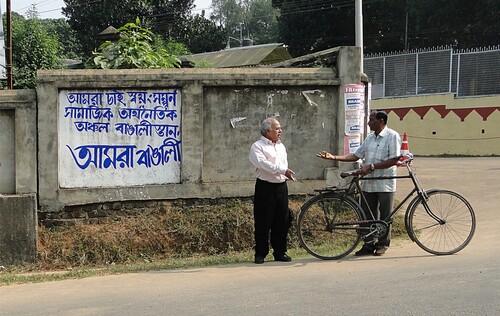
(326, 189)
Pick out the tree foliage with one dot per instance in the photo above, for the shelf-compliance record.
(204, 35)
(309, 26)
(170, 19)
(136, 48)
(261, 19)
(256, 19)
(227, 13)
(33, 48)
(69, 46)
(388, 25)
(460, 23)
(166, 18)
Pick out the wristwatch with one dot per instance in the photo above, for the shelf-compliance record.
(372, 167)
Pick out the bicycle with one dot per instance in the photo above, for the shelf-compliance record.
(331, 223)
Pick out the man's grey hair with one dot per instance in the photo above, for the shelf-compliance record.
(266, 125)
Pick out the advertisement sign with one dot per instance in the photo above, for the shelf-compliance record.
(354, 96)
(3, 71)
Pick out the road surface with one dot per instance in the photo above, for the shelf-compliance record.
(406, 281)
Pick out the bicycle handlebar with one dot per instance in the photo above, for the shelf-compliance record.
(404, 160)
(350, 173)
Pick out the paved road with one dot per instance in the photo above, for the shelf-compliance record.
(406, 281)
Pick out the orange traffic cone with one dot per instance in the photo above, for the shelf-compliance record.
(406, 156)
(404, 145)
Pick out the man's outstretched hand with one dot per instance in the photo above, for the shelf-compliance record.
(325, 155)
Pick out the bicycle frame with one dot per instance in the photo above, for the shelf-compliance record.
(355, 187)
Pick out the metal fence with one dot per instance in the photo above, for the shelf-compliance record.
(474, 72)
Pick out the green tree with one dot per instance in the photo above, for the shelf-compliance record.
(69, 46)
(384, 26)
(166, 18)
(136, 48)
(309, 26)
(461, 23)
(482, 28)
(388, 25)
(256, 19)
(228, 14)
(261, 21)
(33, 48)
(204, 35)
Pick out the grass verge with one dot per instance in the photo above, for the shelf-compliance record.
(170, 238)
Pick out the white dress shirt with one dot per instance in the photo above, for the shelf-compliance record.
(269, 159)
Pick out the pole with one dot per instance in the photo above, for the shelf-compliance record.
(241, 34)
(8, 47)
(359, 28)
(406, 30)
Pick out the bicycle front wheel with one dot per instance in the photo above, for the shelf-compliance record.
(327, 226)
(443, 224)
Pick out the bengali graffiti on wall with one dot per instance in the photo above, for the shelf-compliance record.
(119, 137)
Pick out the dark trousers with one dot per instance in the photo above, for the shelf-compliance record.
(381, 204)
(270, 217)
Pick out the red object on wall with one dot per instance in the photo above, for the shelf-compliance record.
(484, 112)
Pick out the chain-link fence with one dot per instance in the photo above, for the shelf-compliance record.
(466, 73)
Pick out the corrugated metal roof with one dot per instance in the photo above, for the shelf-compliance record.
(245, 56)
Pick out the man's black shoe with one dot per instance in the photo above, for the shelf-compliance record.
(379, 252)
(364, 252)
(283, 258)
(259, 260)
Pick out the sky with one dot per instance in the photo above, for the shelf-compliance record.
(51, 9)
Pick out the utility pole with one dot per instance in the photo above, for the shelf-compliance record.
(8, 47)
(359, 27)
(406, 27)
(241, 33)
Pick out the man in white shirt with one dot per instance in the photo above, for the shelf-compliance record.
(271, 216)
(380, 153)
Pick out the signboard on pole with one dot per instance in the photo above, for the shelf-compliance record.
(3, 68)
(354, 96)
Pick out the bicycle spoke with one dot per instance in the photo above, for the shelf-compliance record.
(318, 231)
(455, 230)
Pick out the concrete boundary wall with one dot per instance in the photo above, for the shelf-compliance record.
(18, 223)
(214, 151)
(18, 166)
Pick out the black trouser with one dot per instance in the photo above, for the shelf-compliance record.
(381, 204)
(270, 216)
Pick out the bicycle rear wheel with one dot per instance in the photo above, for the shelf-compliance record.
(443, 224)
(327, 226)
